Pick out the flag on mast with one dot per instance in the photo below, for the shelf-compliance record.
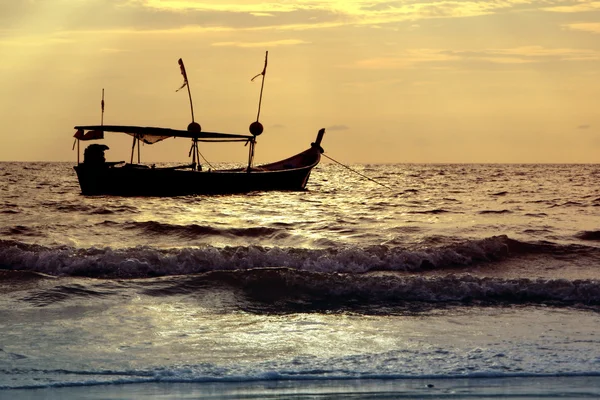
(264, 71)
(89, 135)
(185, 79)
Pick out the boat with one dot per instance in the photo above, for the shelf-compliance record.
(100, 177)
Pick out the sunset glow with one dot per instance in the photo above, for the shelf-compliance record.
(394, 81)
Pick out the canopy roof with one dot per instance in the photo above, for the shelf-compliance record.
(150, 135)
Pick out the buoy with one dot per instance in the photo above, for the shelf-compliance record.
(194, 127)
(256, 128)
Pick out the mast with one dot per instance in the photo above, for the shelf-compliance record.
(78, 138)
(193, 126)
(256, 127)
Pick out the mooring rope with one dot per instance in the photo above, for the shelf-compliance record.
(356, 172)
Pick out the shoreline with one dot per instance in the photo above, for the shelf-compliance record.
(439, 388)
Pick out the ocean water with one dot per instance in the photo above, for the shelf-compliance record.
(453, 281)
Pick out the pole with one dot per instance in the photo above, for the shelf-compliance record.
(251, 154)
(102, 106)
(262, 85)
(191, 105)
(186, 83)
(256, 128)
(133, 148)
(198, 156)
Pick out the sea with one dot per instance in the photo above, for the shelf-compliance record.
(424, 281)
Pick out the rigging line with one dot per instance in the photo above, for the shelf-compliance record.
(205, 160)
(356, 172)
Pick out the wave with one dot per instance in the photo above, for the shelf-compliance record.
(495, 212)
(145, 261)
(589, 235)
(376, 279)
(194, 230)
(22, 231)
(568, 204)
(9, 212)
(536, 215)
(287, 290)
(89, 209)
(61, 293)
(307, 371)
(434, 211)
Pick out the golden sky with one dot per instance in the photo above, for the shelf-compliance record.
(393, 81)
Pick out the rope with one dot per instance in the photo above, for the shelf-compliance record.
(356, 172)
(205, 160)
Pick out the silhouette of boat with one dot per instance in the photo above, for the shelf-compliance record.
(98, 177)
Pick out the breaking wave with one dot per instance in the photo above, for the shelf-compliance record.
(144, 261)
(284, 290)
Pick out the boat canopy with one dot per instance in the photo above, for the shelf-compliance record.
(150, 135)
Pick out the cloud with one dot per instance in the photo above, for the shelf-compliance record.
(575, 7)
(539, 53)
(35, 40)
(591, 27)
(273, 43)
(338, 128)
(506, 60)
(407, 58)
(332, 13)
(585, 126)
(229, 6)
(517, 55)
(45, 17)
(113, 50)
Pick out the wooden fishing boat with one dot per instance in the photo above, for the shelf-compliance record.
(99, 177)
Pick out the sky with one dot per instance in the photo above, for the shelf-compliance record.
(435, 81)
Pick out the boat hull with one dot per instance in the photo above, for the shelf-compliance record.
(137, 180)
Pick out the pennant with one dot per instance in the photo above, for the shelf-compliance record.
(185, 79)
(78, 134)
(264, 71)
(89, 135)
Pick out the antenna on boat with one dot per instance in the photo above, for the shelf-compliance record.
(256, 127)
(80, 133)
